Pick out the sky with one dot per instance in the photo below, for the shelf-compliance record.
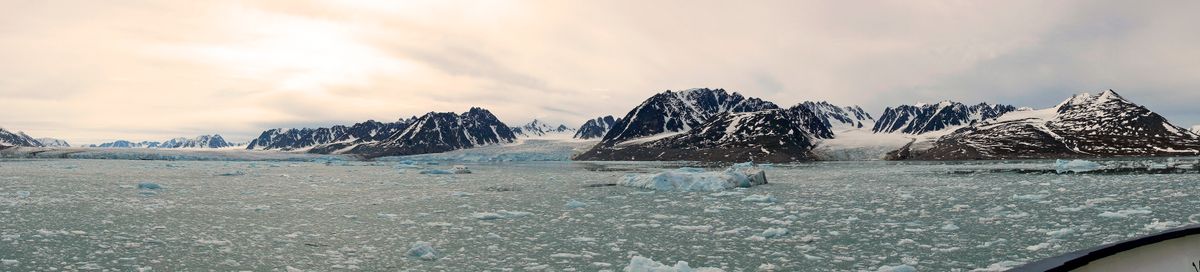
(96, 71)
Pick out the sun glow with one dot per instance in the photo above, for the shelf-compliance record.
(298, 53)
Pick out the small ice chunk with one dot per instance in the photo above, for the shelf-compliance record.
(1075, 166)
(501, 214)
(999, 266)
(22, 194)
(898, 268)
(643, 264)
(423, 250)
(774, 233)
(233, 173)
(1161, 225)
(8, 262)
(575, 204)
(1124, 213)
(460, 169)
(435, 172)
(759, 198)
(148, 186)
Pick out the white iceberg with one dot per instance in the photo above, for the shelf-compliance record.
(774, 233)
(423, 250)
(643, 264)
(695, 179)
(1075, 166)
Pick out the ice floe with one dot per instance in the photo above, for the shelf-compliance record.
(643, 264)
(423, 250)
(689, 179)
(1075, 166)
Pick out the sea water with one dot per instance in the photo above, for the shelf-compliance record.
(563, 216)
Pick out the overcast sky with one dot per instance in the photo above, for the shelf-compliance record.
(92, 71)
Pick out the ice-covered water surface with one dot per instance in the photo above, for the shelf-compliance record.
(288, 216)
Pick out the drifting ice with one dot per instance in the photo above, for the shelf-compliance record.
(435, 172)
(695, 179)
(149, 186)
(423, 250)
(643, 264)
(1075, 166)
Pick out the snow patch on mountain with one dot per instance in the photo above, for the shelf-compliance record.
(127, 144)
(595, 128)
(924, 118)
(327, 140)
(840, 118)
(202, 141)
(52, 142)
(541, 129)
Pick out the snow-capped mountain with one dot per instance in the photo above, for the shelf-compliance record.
(1196, 129)
(127, 144)
(677, 111)
(772, 135)
(541, 129)
(8, 139)
(440, 132)
(595, 128)
(1085, 125)
(335, 137)
(52, 142)
(923, 118)
(202, 141)
(840, 118)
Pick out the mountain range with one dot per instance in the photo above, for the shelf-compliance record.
(1084, 126)
(923, 118)
(202, 141)
(717, 125)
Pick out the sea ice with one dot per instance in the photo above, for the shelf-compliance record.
(501, 214)
(435, 172)
(1075, 166)
(148, 186)
(694, 179)
(423, 250)
(460, 169)
(759, 198)
(1124, 213)
(22, 194)
(643, 264)
(898, 268)
(1161, 225)
(575, 204)
(774, 233)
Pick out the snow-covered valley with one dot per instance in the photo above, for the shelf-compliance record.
(127, 215)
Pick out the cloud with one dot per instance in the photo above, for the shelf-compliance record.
(89, 71)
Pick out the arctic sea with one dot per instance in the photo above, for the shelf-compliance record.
(333, 215)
